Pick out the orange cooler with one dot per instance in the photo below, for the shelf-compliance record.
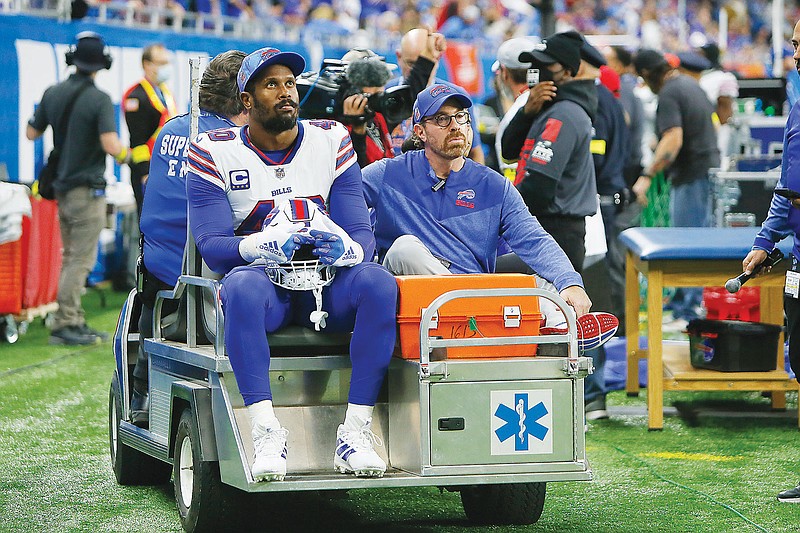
(468, 317)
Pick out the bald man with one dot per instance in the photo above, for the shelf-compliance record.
(420, 42)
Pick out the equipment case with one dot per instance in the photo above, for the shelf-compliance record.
(468, 318)
(732, 346)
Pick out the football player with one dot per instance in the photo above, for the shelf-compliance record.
(236, 177)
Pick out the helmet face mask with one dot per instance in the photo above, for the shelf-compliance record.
(301, 273)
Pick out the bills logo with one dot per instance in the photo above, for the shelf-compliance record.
(240, 180)
(463, 196)
(468, 194)
(266, 54)
(440, 89)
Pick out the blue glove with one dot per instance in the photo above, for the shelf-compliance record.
(337, 250)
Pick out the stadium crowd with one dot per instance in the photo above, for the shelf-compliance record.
(657, 24)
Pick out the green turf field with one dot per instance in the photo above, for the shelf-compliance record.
(716, 467)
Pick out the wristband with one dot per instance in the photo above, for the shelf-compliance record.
(124, 157)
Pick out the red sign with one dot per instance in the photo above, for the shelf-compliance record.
(463, 67)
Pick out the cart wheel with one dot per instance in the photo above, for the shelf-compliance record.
(512, 503)
(204, 502)
(8, 329)
(131, 467)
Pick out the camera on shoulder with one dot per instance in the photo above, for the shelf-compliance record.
(323, 93)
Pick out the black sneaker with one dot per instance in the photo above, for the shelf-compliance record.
(596, 409)
(790, 496)
(72, 336)
(86, 330)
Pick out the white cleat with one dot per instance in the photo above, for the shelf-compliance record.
(355, 453)
(270, 456)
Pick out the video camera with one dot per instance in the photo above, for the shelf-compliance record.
(323, 93)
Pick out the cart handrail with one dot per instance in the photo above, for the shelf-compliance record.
(426, 343)
(183, 281)
(165, 294)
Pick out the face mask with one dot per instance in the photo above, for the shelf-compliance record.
(164, 73)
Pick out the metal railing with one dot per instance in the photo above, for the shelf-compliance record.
(131, 15)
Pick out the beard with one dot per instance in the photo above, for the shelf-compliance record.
(279, 121)
(451, 151)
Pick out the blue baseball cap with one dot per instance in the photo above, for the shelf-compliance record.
(431, 99)
(265, 57)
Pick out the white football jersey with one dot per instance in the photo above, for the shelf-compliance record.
(255, 184)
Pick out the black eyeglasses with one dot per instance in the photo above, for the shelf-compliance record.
(442, 120)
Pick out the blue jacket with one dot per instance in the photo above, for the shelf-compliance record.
(610, 143)
(783, 219)
(462, 221)
(163, 221)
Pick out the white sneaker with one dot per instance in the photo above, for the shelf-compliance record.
(270, 456)
(355, 454)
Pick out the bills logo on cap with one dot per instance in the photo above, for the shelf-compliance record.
(266, 54)
(440, 89)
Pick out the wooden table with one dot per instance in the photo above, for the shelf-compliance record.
(693, 257)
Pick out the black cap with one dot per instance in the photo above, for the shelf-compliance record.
(89, 54)
(589, 53)
(564, 48)
(648, 59)
(711, 51)
(694, 62)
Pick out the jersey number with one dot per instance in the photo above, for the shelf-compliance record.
(324, 124)
(255, 220)
(221, 135)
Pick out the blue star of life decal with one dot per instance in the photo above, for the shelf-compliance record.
(521, 421)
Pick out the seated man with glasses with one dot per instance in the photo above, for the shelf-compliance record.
(437, 212)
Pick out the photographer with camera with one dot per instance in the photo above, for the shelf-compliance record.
(365, 77)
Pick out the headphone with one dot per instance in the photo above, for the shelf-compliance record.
(70, 54)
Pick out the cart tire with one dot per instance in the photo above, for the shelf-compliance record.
(131, 467)
(8, 329)
(204, 502)
(507, 504)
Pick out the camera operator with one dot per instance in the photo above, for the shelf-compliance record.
(368, 129)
